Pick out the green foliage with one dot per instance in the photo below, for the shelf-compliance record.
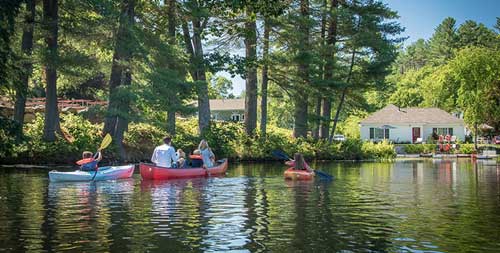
(419, 148)
(466, 149)
(380, 151)
(227, 139)
(34, 150)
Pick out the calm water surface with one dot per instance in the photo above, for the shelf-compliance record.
(405, 206)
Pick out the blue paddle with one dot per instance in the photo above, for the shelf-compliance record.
(282, 155)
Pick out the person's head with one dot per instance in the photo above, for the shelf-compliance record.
(181, 153)
(299, 161)
(196, 152)
(87, 154)
(167, 140)
(203, 144)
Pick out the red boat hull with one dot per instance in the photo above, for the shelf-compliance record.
(293, 174)
(153, 172)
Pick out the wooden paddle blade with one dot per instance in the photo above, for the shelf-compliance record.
(106, 141)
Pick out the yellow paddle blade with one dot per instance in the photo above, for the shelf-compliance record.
(106, 141)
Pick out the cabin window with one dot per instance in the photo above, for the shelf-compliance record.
(379, 133)
(235, 117)
(443, 131)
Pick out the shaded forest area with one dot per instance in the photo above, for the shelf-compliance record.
(314, 66)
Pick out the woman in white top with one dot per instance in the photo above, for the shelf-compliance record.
(206, 154)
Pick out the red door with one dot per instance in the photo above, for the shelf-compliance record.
(415, 133)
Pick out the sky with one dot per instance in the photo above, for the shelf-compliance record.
(421, 17)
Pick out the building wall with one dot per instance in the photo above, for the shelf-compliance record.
(400, 133)
(227, 115)
(458, 130)
(403, 133)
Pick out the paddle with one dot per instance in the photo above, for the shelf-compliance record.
(104, 144)
(282, 155)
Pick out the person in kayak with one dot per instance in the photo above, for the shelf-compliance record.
(298, 163)
(165, 155)
(206, 154)
(88, 161)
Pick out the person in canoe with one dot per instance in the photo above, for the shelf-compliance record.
(206, 153)
(165, 155)
(298, 163)
(196, 160)
(88, 161)
(182, 158)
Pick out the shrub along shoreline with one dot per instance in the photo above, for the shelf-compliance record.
(227, 139)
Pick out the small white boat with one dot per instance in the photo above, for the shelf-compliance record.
(103, 173)
(437, 156)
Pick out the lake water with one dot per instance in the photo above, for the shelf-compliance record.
(403, 206)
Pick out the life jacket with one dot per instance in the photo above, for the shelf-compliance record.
(196, 161)
(87, 164)
(193, 157)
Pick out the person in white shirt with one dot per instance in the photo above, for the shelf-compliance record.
(165, 154)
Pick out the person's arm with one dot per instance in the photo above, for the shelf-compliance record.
(307, 167)
(212, 155)
(99, 156)
(173, 154)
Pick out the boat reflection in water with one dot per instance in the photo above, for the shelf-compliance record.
(204, 213)
(84, 210)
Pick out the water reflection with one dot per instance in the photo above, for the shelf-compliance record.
(406, 206)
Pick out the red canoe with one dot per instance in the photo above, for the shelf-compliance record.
(153, 172)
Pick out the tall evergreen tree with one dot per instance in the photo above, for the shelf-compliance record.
(330, 58)
(444, 41)
(51, 27)
(117, 116)
(265, 77)
(300, 97)
(25, 73)
(251, 71)
(195, 15)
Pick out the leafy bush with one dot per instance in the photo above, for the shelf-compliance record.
(380, 151)
(227, 139)
(466, 149)
(34, 150)
(419, 148)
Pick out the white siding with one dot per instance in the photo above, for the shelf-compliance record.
(403, 133)
(458, 130)
(400, 133)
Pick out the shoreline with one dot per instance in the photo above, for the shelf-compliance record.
(398, 158)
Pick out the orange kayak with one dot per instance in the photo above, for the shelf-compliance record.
(294, 174)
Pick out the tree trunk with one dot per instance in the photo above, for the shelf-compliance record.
(50, 22)
(475, 136)
(26, 49)
(203, 100)
(317, 118)
(301, 97)
(251, 74)
(325, 118)
(342, 97)
(171, 12)
(331, 41)
(265, 79)
(116, 121)
(337, 114)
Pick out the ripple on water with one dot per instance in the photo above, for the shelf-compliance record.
(389, 207)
